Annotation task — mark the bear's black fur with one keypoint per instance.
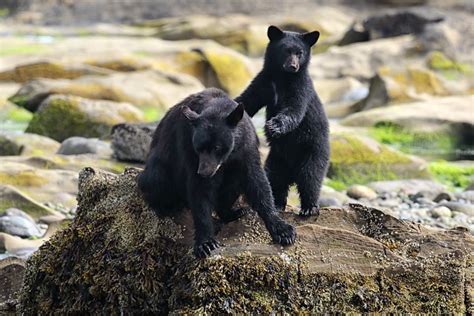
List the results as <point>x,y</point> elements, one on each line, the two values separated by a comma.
<point>297,127</point>
<point>203,156</point>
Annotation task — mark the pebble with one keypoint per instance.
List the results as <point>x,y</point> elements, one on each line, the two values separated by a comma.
<point>465,208</point>
<point>361,192</point>
<point>440,211</point>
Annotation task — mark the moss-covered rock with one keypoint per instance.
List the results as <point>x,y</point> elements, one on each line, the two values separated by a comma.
<point>26,144</point>
<point>149,88</point>
<point>51,70</point>
<point>356,160</point>
<point>61,117</point>
<point>12,197</point>
<point>117,256</point>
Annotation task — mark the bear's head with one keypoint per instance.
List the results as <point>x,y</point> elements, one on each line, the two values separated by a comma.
<point>214,132</point>
<point>289,51</point>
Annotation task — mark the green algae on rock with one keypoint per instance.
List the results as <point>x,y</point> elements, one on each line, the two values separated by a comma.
<point>12,197</point>
<point>358,160</point>
<point>61,117</point>
<point>118,257</point>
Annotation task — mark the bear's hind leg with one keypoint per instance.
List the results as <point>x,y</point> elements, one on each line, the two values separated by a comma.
<point>279,178</point>
<point>228,195</point>
<point>309,181</point>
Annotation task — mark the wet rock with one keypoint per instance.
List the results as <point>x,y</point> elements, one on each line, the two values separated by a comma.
<point>12,143</point>
<point>81,145</point>
<point>443,196</point>
<point>150,88</point>
<point>441,211</point>
<point>163,276</point>
<point>465,208</point>
<point>51,70</point>
<point>361,192</point>
<point>17,223</point>
<point>467,195</point>
<point>11,277</point>
<point>131,142</point>
<point>61,117</point>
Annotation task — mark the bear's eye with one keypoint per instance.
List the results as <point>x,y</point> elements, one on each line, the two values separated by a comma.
<point>299,53</point>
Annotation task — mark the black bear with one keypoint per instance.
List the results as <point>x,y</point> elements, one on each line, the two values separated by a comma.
<point>203,156</point>
<point>296,128</point>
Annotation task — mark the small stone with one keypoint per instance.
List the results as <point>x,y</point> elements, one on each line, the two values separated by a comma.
<point>465,208</point>
<point>361,191</point>
<point>467,195</point>
<point>441,211</point>
<point>443,196</point>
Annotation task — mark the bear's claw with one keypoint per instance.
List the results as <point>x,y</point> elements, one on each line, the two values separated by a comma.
<point>204,248</point>
<point>310,211</point>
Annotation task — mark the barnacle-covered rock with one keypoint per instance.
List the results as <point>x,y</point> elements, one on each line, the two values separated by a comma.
<point>119,257</point>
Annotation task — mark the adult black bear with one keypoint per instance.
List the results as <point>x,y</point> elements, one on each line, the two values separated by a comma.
<point>203,156</point>
<point>297,127</point>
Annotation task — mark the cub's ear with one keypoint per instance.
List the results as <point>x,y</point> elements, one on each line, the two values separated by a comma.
<point>311,38</point>
<point>189,114</point>
<point>274,33</point>
<point>236,115</point>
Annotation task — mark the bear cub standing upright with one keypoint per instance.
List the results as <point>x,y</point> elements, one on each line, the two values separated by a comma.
<point>296,124</point>
<point>203,156</point>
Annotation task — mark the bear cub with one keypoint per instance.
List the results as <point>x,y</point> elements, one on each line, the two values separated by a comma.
<point>296,128</point>
<point>203,156</point>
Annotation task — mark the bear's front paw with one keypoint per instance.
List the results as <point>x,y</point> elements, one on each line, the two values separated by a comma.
<point>274,127</point>
<point>203,248</point>
<point>283,233</point>
<point>310,211</point>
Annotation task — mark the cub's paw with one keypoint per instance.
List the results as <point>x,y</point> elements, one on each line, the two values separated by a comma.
<point>203,248</point>
<point>275,127</point>
<point>283,233</point>
<point>311,211</point>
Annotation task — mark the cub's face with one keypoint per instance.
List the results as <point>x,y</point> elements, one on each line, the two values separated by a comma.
<point>290,51</point>
<point>213,137</point>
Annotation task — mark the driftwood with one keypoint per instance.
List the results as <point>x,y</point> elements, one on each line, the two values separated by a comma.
<point>118,257</point>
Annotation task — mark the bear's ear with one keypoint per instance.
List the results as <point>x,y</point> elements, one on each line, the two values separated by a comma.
<point>236,115</point>
<point>189,114</point>
<point>311,38</point>
<point>274,33</point>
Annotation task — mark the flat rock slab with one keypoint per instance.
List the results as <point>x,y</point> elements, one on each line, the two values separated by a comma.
<point>117,256</point>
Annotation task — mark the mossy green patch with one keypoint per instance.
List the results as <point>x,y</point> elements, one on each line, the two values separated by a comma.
<point>453,175</point>
<point>358,161</point>
<point>23,178</point>
<point>61,119</point>
<point>152,114</point>
<point>19,115</point>
<point>421,143</point>
<point>23,49</point>
<point>449,68</point>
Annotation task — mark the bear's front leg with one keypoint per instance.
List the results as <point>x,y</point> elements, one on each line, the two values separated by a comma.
<point>260,198</point>
<point>201,208</point>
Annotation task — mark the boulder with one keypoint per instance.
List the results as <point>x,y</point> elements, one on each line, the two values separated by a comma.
<point>17,223</point>
<point>61,116</point>
<point>53,70</point>
<point>451,115</point>
<point>358,160</point>
<point>81,145</point>
<point>12,143</point>
<point>117,256</point>
<point>131,142</point>
<point>11,278</point>
<point>389,86</point>
<point>150,88</point>
<point>10,197</point>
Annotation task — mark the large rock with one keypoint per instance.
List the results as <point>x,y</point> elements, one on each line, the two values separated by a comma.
<point>117,256</point>
<point>81,145</point>
<point>11,197</point>
<point>131,142</point>
<point>450,114</point>
<point>18,223</point>
<point>61,117</point>
<point>389,86</point>
<point>357,159</point>
<point>24,73</point>
<point>11,278</point>
<point>26,144</point>
<point>151,88</point>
